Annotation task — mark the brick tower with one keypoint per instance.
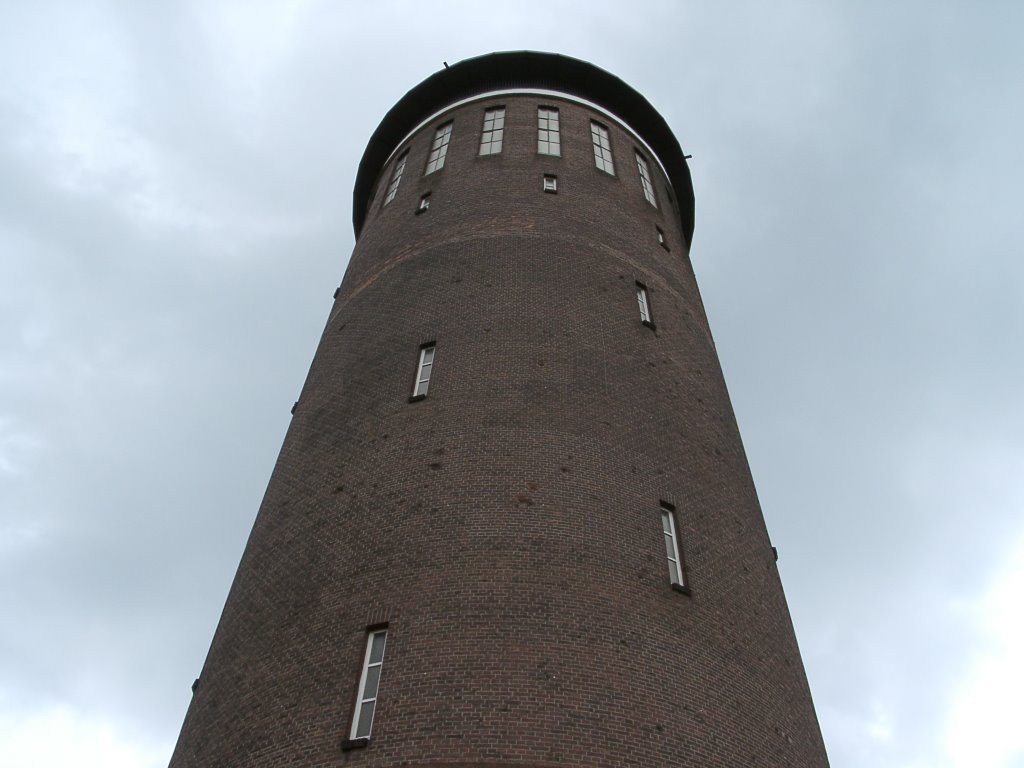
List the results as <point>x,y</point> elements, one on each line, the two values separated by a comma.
<point>512,523</point>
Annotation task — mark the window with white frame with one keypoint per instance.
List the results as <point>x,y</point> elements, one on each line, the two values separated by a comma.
<point>550,183</point>
<point>439,149</point>
<point>369,682</point>
<point>602,148</point>
<point>642,301</point>
<point>661,238</point>
<point>423,370</point>
<point>676,571</point>
<point>424,203</point>
<point>493,131</point>
<point>549,140</point>
<point>645,179</point>
<point>396,178</point>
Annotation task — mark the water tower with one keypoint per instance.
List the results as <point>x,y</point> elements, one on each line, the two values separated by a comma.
<point>512,522</point>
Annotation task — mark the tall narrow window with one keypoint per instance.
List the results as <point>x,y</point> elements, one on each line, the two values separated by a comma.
<point>366,702</point>
<point>423,371</point>
<point>549,140</point>
<point>676,571</point>
<point>396,178</point>
<point>439,148</point>
<point>602,148</point>
<point>645,179</point>
<point>645,307</point>
<point>493,132</point>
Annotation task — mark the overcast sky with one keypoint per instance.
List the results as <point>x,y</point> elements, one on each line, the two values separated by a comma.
<point>175,213</point>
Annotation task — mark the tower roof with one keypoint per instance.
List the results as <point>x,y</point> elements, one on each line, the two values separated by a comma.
<point>523,70</point>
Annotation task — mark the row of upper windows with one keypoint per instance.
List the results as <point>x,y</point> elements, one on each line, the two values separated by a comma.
<point>376,636</point>
<point>549,142</point>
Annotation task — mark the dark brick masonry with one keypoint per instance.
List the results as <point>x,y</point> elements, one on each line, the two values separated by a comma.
<point>507,527</point>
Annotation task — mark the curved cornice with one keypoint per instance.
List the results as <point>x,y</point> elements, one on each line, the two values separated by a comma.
<point>523,69</point>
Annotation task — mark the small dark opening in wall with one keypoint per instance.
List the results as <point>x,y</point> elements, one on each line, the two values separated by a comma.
<point>661,238</point>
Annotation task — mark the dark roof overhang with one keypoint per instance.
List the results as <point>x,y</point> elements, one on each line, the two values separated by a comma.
<point>523,69</point>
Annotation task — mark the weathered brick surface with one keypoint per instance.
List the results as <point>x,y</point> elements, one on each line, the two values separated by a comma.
<point>507,527</point>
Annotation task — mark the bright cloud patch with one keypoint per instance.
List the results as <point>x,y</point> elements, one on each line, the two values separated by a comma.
<point>60,737</point>
<point>985,726</point>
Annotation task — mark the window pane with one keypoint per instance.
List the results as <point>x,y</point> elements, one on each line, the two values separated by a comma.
<point>492,132</point>
<point>423,374</point>
<point>439,148</point>
<point>365,719</point>
<point>547,131</point>
<point>396,178</point>
<point>666,523</point>
<point>377,648</point>
<point>645,180</point>
<point>372,679</point>
<point>602,148</point>
<point>673,572</point>
<point>670,548</point>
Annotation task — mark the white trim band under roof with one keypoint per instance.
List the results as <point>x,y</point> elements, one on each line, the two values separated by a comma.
<point>532,92</point>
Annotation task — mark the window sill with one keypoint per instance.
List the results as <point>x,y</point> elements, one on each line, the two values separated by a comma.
<point>682,588</point>
<point>349,744</point>
<point>649,324</point>
<point>417,398</point>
